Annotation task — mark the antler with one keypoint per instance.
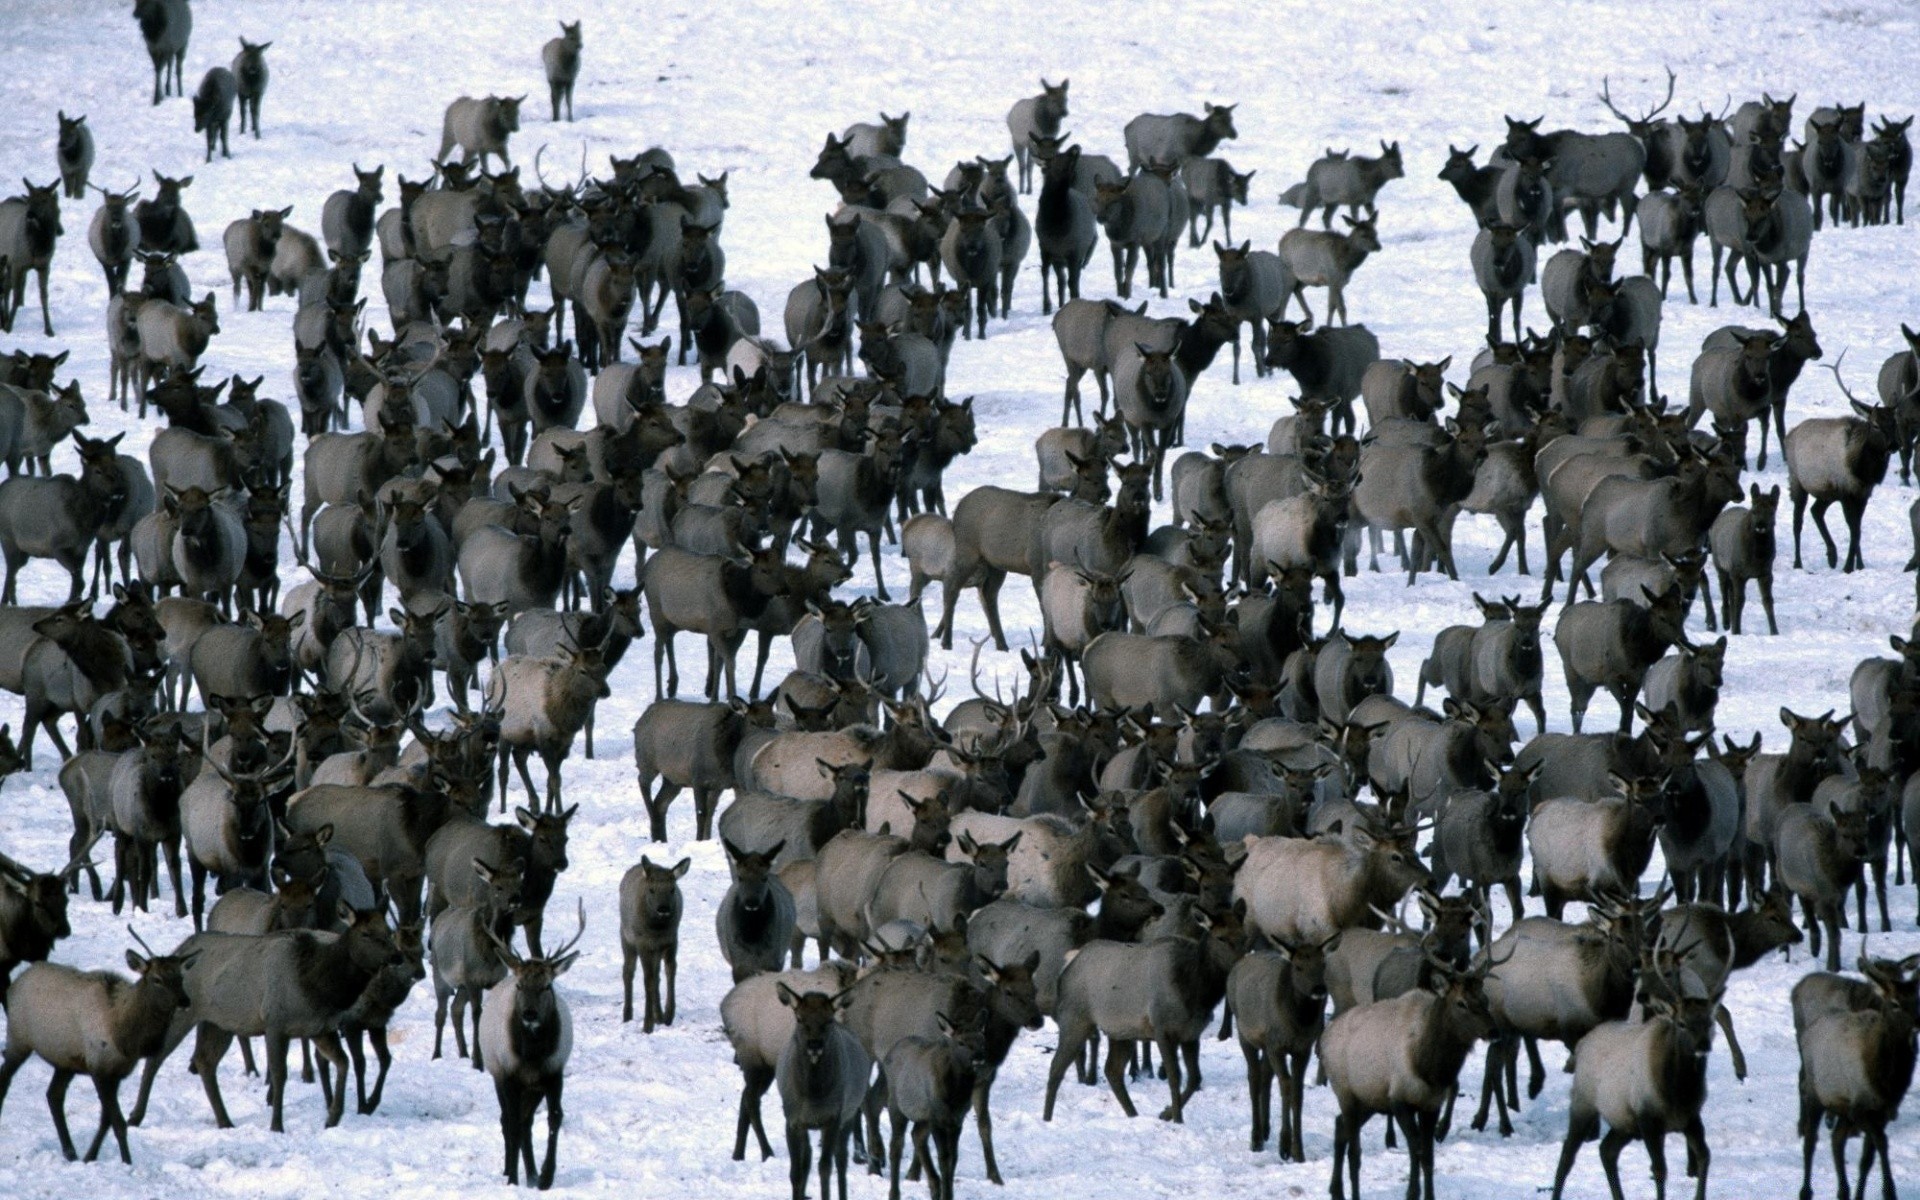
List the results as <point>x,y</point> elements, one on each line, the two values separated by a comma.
<point>579,933</point>
<point>973,671</point>
<point>1606,98</point>
<point>135,935</point>
<point>1834,366</point>
<point>80,860</point>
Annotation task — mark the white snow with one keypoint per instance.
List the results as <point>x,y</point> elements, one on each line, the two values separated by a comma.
<point>751,88</point>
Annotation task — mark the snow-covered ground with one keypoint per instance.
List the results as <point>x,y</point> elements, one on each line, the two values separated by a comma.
<point>751,88</point>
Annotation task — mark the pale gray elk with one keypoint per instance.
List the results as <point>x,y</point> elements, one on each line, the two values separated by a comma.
<point>1856,1066</point>
<point>466,960</point>
<point>543,704</point>
<point>1402,1057</point>
<point>1340,177</point>
<point>1838,460</point>
<point>1032,115</point>
<point>480,128</point>
<point>1596,847</point>
<point>686,745</point>
<point>709,594</point>
<point>250,243</point>
<point>1645,1079</point>
<point>29,229</point>
<point>1176,137</point>
<point>1321,259</point>
<point>113,237</point>
<point>1301,891</point>
<point>1162,992</point>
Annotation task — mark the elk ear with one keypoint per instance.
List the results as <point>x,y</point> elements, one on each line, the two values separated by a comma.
<point>526,817</point>
<point>136,964</point>
<point>680,868</point>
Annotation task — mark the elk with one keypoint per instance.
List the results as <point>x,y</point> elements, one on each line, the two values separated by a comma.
<point>33,909</point>
<point>1644,1079</point>
<point>1319,259</point>
<point>250,74</point>
<point>1838,459</point>
<point>561,58</point>
<point>542,704</point>
<point>93,1023</point>
<point>1279,1000</point>
<point>165,25</point>
<point>29,230</point>
<point>465,959</point>
<point>650,908</point>
<point>291,985</point>
<point>1035,115</point>
<point>113,236</point>
<point>1402,1057</point>
<point>1856,1066</point>
<point>526,1039</point>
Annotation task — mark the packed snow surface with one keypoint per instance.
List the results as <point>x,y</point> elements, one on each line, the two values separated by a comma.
<point>751,89</point>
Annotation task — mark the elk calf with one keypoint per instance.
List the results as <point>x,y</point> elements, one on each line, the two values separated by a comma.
<point>92,1023</point>
<point>561,57</point>
<point>650,907</point>
<point>213,108</point>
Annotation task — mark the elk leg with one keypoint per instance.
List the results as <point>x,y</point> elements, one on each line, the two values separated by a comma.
<point>628,957</point>
<point>57,1103</point>
<point>1258,1093</point>
<point>992,581</point>
<point>210,1045</point>
<point>670,961</point>
<point>520,755</point>
<point>1853,510</point>
<point>983,1118</point>
<point>555,1115</point>
<point>509,1126</point>
<point>478,1064</point>
<point>752,1084</point>
<point>1119,1054</point>
<point>1536,1070</point>
<point>896,1145</point>
<point>277,1045</point>
<point>332,1052</point>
